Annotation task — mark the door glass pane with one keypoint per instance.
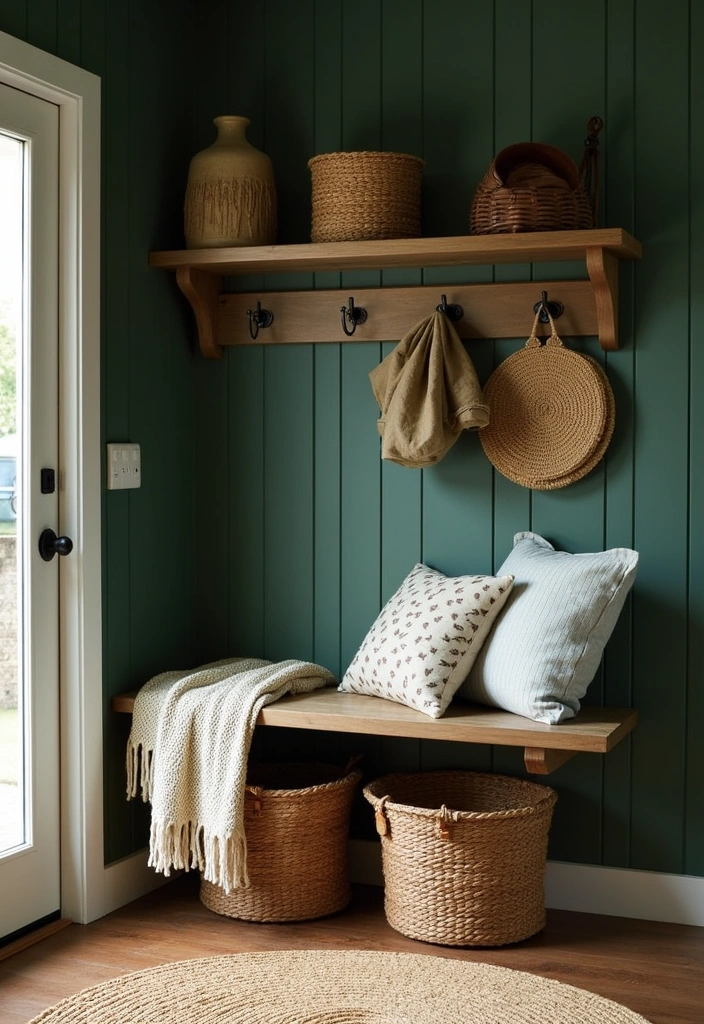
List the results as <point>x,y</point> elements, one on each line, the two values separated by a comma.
<point>13,782</point>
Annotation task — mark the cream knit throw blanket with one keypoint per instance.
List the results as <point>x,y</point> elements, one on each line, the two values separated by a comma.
<point>187,753</point>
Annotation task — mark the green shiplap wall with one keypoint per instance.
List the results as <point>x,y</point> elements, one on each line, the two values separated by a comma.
<point>303,533</point>
<point>267,523</point>
<point>139,51</point>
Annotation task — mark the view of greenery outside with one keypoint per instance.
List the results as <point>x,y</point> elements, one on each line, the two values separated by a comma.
<point>11,212</point>
<point>8,390</point>
<point>8,414</point>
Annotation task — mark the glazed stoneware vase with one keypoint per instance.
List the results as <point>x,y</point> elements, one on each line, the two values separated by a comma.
<point>230,194</point>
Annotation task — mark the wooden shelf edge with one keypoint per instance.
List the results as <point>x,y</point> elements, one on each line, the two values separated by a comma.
<point>199,271</point>
<point>380,254</point>
<point>594,730</point>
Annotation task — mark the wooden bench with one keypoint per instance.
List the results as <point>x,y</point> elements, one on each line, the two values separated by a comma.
<point>546,747</point>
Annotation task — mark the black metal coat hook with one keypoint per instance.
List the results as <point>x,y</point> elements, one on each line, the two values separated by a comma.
<point>354,314</point>
<point>451,311</point>
<point>554,308</point>
<point>259,318</point>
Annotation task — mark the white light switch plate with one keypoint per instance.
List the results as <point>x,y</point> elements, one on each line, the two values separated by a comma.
<point>124,466</point>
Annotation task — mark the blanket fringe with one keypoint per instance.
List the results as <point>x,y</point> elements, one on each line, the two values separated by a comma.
<point>221,860</point>
<point>140,772</point>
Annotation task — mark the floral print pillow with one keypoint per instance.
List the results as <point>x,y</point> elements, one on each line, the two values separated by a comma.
<point>425,639</point>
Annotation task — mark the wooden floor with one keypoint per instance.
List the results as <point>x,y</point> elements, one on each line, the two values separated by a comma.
<point>656,969</point>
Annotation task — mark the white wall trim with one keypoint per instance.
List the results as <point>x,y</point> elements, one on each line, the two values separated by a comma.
<point>588,889</point>
<point>622,892</point>
<point>129,878</point>
<point>77,94</point>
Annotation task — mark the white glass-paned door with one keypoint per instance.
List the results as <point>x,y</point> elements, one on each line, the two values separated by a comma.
<point>29,610</point>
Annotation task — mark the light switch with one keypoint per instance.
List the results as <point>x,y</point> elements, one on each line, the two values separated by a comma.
<point>124,466</point>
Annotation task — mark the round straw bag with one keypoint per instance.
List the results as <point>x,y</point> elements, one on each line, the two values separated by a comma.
<point>552,414</point>
<point>296,825</point>
<point>463,855</point>
<point>365,195</point>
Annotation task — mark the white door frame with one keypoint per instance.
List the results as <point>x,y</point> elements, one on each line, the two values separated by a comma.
<point>77,94</point>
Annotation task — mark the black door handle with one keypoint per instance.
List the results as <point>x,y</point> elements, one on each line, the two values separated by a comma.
<point>50,545</point>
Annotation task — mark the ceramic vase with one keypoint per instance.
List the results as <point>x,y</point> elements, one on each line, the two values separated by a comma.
<point>230,195</point>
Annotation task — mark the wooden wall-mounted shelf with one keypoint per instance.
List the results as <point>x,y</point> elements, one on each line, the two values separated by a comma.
<point>546,747</point>
<point>492,310</point>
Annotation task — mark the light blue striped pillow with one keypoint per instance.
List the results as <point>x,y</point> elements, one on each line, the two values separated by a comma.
<point>547,641</point>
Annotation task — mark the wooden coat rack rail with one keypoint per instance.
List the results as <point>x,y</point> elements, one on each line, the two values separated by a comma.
<point>545,747</point>
<point>499,310</point>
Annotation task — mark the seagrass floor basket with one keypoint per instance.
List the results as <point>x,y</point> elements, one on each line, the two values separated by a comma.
<point>463,855</point>
<point>296,824</point>
<point>365,195</point>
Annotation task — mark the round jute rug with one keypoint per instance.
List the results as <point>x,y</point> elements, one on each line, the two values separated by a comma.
<point>334,987</point>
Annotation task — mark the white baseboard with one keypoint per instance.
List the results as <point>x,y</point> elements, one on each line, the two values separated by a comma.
<point>130,878</point>
<point>588,889</point>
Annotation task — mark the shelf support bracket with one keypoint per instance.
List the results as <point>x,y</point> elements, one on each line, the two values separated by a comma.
<point>539,761</point>
<point>202,290</point>
<point>602,267</point>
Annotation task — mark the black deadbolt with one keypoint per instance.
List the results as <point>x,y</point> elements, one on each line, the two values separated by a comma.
<point>50,545</point>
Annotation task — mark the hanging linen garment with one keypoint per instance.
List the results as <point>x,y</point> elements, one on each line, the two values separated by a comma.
<point>428,393</point>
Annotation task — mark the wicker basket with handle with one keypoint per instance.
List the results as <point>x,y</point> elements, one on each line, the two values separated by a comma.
<point>534,187</point>
<point>463,855</point>
<point>296,824</point>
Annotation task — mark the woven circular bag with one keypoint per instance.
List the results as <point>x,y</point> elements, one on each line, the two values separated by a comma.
<point>552,414</point>
<point>365,195</point>
<point>600,450</point>
<point>463,855</point>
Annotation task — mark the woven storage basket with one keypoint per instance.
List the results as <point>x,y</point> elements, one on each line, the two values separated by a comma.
<point>463,855</point>
<point>296,824</point>
<point>365,195</point>
<point>534,187</point>
<point>552,415</point>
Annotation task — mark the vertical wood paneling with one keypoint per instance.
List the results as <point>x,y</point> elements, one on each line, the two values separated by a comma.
<point>68,31</point>
<point>243,93</point>
<point>361,468</point>
<point>326,583</point>
<point>289,92</point>
<point>694,765</point>
<point>215,420</point>
<point>114,36</point>
<point>160,384</point>
<point>513,62</point>
<point>459,139</point>
<point>661,466</point>
<point>300,532</point>
<point>618,207</point>
<point>245,526</point>
<point>42,24</point>
<point>573,517</point>
<point>13,18</point>
<point>327,368</point>
<point>401,131</point>
<point>288,504</point>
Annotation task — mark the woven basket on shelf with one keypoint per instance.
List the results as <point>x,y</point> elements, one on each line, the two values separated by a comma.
<point>365,195</point>
<point>463,855</point>
<point>296,824</point>
<point>534,187</point>
<point>552,414</point>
